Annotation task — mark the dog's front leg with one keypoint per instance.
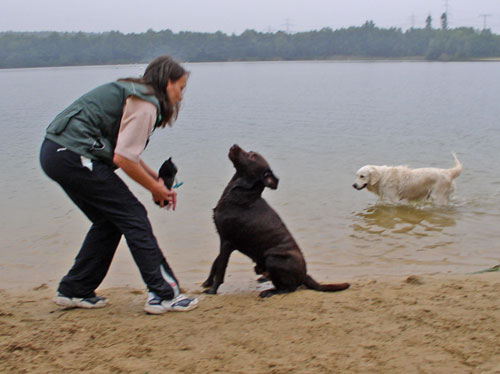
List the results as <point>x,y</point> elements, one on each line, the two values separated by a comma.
<point>218,271</point>
<point>210,280</point>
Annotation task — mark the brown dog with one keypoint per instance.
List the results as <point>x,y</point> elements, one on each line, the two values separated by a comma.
<point>245,222</point>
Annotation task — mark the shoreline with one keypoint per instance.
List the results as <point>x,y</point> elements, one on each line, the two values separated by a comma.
<point>411,324</point>
<point>333,59</point>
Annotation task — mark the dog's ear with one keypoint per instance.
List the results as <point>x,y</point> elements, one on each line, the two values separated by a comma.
<point>374,175</point>
<point>270,180</point>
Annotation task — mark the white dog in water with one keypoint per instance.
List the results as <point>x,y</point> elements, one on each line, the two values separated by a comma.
<point>402,184</point>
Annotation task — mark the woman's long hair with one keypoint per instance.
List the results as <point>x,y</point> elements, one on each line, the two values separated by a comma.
<point>156,75</point>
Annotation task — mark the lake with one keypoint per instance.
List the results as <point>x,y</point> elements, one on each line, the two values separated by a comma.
<point>316,123</point>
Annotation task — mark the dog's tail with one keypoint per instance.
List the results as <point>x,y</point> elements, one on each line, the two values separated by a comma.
<point>313,285</point>
<point>457,169</point>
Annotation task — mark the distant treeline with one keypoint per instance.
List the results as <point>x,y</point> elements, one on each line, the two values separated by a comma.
<point>30,49</point>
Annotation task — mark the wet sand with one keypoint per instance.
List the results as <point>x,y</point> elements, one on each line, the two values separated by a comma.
<point>415,324</point>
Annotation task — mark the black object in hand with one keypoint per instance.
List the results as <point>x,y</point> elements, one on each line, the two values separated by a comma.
<point>167,172</point>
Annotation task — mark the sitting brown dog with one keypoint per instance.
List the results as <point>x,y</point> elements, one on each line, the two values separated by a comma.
<point>247,223</point>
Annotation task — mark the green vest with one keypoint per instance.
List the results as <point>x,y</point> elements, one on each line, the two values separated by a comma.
<point>89,126</point>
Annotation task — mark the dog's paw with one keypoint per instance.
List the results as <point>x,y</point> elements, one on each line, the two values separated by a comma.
<point>268,293</point>
<point>273,291</point>
<point>208,283</point>
<point>210,291</point>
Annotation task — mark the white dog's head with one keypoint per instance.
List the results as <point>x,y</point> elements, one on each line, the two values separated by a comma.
<point>366,176</point>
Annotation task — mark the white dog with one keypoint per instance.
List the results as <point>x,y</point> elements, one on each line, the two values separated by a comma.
<point>402,184</point>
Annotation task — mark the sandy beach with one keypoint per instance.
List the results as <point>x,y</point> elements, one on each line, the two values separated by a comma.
<point>415,324</point>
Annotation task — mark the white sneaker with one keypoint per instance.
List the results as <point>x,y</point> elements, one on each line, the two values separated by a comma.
<point>80,302</point>
<point>181,303</point>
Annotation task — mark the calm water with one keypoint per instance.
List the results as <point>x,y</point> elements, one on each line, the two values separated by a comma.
<point>316,123</point>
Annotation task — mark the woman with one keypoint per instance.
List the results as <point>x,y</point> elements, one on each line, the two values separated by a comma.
<point>105,129</point>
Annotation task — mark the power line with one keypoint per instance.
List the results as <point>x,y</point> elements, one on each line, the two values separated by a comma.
<point>484,19</point>
<point>288,24</point>
<point>447,12</point>
<point>412,20</point>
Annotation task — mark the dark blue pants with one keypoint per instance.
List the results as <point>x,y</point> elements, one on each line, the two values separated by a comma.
<point>114,211</point>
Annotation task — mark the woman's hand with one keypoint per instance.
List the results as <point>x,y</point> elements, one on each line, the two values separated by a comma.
<point>147,178</point>
<point>161,195</point>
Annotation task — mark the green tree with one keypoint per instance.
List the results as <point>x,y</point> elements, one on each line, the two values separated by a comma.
<point>428,22</point>
<point>444,21</point>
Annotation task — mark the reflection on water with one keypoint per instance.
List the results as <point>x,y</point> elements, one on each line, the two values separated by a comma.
<point>413,219</point>
<point>405,238</point>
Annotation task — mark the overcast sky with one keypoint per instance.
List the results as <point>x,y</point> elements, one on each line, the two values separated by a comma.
<point>235,16</point>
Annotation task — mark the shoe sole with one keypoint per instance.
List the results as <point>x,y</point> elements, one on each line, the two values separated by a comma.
<point>66,302</point>
<point>161,310</point>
